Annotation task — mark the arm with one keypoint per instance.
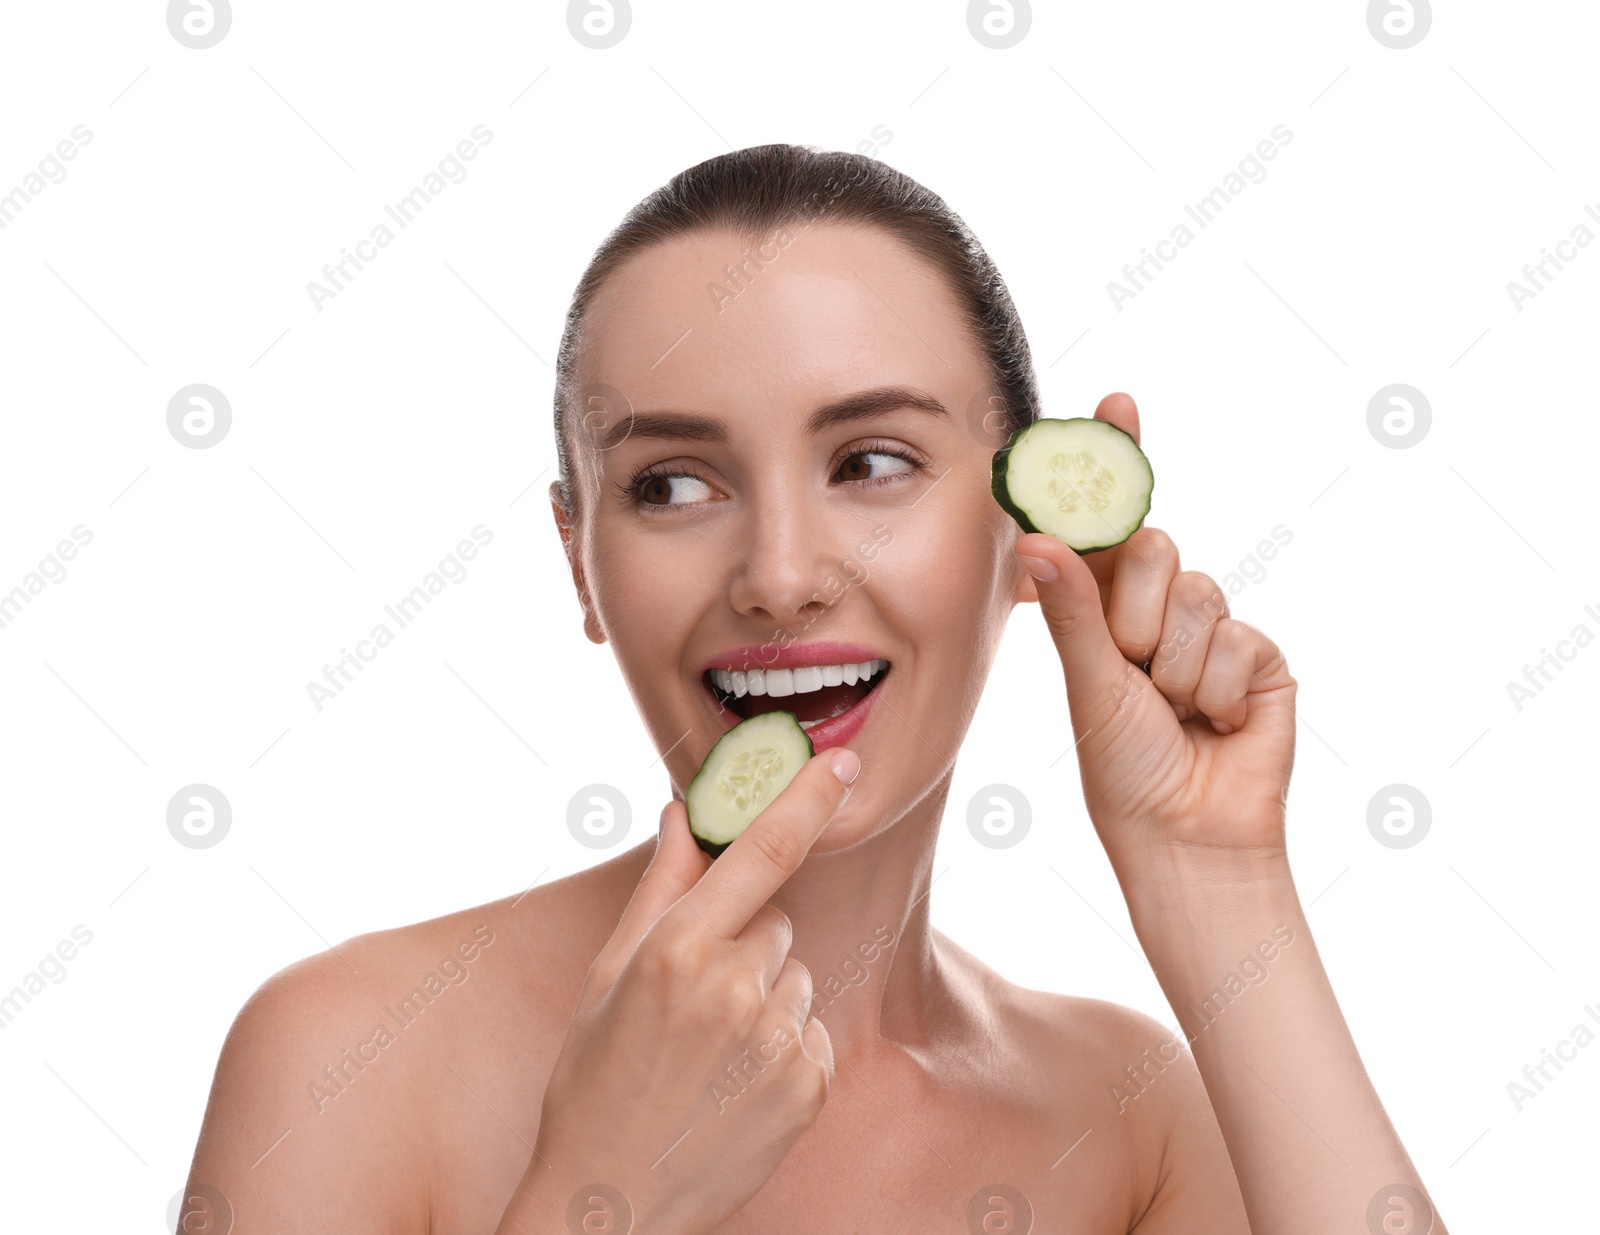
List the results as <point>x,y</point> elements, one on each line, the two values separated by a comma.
<point>1306,1133</point>
<point>1185,771</point>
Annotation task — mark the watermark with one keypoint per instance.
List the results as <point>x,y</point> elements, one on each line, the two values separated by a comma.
<point>599,1209</point>
<point>851,971</point>
<point>599,24</point>
<point>850,572</point>
<point>1252,567</point>
<point>451,570</point>
<point>337,277</point>
<point>737,281</point>
<point>1399,816</point>
<point>1252,169</point>
<point>1537,276</point>
<point>1399,1209</point>
<point>999,1209</point>
<point>880,136</point>
<point>752,263</point>
<point>1399,24</point>
<point>52,969</point>
<point>50,570</point>
<point>199,416</point>
<point>1542,672</point>
<point>598,816</point>
<point>989,421</point>
<point>52,171</point>
<point>199,24</point>
<point>999,24</point>
<point>605,416</point>
<point>998,816</point>
<point>739,1076</point>
<point>1535,1076</point>
<point>1139,1076</point>
<point>200,1209</point>
<point>338,1076</point>
<point>1399,416</point>
<point>199,816</point>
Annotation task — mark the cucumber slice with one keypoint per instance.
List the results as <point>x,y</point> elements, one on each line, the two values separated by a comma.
<point>747,767</point>
<point>1083,481</point>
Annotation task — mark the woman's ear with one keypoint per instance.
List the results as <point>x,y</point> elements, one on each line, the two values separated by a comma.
<point>591,621</point>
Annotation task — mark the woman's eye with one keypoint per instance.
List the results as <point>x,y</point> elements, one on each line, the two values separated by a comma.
<point>884,464</point>
<point>658,490</point>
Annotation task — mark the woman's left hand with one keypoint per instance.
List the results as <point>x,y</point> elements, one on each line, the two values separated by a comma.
<point>1195,757</point>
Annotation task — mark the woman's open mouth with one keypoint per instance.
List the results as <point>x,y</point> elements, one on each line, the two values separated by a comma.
<point>825,699</point>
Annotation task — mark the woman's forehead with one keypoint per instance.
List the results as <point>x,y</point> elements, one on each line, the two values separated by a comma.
<point>824,304</point>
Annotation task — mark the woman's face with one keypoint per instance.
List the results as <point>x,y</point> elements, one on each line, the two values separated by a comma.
<point>766,483</point>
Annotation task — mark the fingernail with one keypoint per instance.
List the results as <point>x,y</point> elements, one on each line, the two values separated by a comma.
<point>1222,726</point>
<point>1041,569</point>
<point>846,765</point>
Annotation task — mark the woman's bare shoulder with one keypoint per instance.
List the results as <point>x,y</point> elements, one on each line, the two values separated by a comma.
<point>337,1067</point>
<point>529,946</point>
<point>529,940</point>
<point>1079,1067</point>
<point>1126,1083</point>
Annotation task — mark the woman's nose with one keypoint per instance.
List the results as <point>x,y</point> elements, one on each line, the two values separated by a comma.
<point>784,570</point>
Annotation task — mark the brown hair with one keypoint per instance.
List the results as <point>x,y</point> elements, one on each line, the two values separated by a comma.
<point>754,192</point>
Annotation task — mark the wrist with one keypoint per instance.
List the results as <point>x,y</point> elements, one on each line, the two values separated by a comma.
<point>1213,925</point>
<point>1185,887</point>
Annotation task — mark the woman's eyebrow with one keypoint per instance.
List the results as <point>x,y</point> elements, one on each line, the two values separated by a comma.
<point>862,405</point>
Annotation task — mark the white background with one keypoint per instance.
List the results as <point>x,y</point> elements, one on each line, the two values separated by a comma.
<point>368,438</point>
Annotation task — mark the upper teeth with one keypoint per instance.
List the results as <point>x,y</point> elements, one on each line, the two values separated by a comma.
<point>802,681</point>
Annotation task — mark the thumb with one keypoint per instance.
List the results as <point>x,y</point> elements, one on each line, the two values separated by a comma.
<point>676,867</point>
<point>1069,597</point>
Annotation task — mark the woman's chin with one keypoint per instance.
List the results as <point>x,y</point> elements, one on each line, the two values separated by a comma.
<point>854,823</point>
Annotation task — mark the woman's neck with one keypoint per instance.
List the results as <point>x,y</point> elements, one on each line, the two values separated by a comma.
<point>861,927</point>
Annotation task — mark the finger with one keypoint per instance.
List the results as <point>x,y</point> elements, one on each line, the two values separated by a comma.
<point>818,1044</point>
<point>764,942</point>
<point>771,849</point>
<point>792,992</point>
<point>1237,654</point>
<point>676,867</point>
<point>1096,671</point>
<point>1118,409</point>
<point>1139,593</point>
<point>1195,604</point>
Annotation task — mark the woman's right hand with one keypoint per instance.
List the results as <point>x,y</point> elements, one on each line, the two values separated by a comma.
<point>692,1063</point>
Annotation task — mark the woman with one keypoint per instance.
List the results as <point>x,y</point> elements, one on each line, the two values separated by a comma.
<point>780,388</point>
